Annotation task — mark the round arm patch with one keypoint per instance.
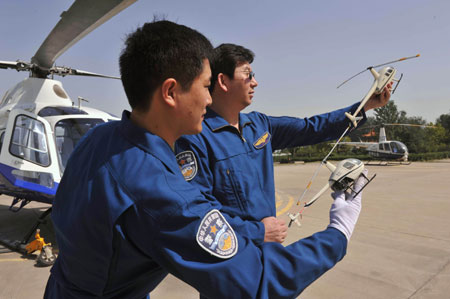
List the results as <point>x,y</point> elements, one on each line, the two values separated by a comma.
<point>216,236</point>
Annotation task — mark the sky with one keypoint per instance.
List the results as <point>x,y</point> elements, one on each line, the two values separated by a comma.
<point>304,49</point>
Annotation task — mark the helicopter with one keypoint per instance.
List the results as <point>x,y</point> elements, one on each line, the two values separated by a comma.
<point>39,123</point>
<point>386,150</point>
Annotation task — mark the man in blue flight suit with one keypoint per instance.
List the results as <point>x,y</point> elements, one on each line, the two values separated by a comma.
<point>124,216</point>
<point>232,157</point>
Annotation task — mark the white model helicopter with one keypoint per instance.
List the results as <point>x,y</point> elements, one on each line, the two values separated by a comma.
<point>39,123</point>
<point>342,178</point>
<point>344,174</point>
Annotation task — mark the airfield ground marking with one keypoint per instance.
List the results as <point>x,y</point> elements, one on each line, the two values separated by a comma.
<point>287,207</point>
<point>278,200</point>
<point>13,260</point>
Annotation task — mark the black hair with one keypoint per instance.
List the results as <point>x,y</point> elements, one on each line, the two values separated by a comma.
<point>157,51</point>
<point>226,58</point>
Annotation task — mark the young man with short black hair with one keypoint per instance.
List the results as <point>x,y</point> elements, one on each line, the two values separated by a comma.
<point>125,217</point>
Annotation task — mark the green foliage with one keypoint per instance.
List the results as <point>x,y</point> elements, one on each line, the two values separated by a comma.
<point>429,156</point>
<point>388,114</point>
<point>444,122</point>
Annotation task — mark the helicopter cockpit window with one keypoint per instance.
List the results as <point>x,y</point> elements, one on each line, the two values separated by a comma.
<point>29,141</point>
<point>60,110</point>
<point>348,165</point>
<point>67,134</point>
<point>397,147</point>
<point>380,147</point>
<point>387,147</point>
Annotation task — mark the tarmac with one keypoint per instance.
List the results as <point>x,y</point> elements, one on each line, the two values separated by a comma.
<point>399,249</point>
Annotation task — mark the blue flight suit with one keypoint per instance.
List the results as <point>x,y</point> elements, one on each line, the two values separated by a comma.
<point>236,167</point>
<point>124,217</point>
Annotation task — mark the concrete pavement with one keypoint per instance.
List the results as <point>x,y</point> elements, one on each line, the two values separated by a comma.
<point>400,247</point>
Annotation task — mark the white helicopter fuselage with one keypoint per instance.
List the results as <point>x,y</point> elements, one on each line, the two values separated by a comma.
<point>39,128</point>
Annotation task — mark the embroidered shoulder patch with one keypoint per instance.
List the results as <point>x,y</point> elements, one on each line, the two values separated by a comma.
<point>188,164</point>
<point>262,141</point>
<point>216,236</point>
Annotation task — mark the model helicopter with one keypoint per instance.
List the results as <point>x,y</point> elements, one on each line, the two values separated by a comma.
<point>344,175</point>
<point>39,124</point>
<point>342,178</point>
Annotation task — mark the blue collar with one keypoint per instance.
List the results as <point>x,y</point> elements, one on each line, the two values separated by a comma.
<point>216,122</point>
<point>148,142</point>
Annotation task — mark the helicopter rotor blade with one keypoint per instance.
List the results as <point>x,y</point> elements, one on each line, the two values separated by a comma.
<point>375,66</point>
<point>64,71</point>
<point>353,77</point>
<point>410,125</point>
<point>319,194</point>
<point>80,19</point>
<point>8,64</point>
<point>397,60</point>
<point>17,65</point>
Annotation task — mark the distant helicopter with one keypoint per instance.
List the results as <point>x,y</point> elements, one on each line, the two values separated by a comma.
<point>39,123</point>
<point>386,150</point>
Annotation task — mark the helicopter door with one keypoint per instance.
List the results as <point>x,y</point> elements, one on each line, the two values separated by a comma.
<point>28,153</point>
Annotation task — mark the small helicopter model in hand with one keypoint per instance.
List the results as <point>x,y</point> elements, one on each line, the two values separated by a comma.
<point>342,178</point>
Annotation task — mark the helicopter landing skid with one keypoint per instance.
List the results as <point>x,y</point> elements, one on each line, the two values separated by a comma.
<point>46,256</point>
<point>387,163</point>
<point>23,202</point>
<point>355,193</point>
<point>39,221</point>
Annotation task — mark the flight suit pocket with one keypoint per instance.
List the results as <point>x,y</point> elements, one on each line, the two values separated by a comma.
<point>233,191</point>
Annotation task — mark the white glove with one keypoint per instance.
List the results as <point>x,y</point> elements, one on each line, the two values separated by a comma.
<point>345,209</point>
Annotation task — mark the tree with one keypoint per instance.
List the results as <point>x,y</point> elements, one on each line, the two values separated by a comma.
<point>444,122</point>
<point>388,114</point>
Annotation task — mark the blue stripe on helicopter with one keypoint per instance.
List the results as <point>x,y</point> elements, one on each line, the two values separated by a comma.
<point>6,172</point>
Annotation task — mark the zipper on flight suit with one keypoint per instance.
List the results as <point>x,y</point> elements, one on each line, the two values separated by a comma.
<point>236,194</point>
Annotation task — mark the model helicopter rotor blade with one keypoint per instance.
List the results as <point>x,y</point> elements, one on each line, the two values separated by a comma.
<point>79,20</point>
<point>352,77</point>
<point>397,60</point>
<point>375,66</point>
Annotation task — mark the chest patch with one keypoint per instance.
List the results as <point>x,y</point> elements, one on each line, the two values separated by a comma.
<point>262,141</point>
<point>216,236</point>
<point>188,164</point>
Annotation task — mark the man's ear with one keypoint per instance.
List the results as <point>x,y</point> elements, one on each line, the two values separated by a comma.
<point>169,90</point>
<point>222,81</point>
